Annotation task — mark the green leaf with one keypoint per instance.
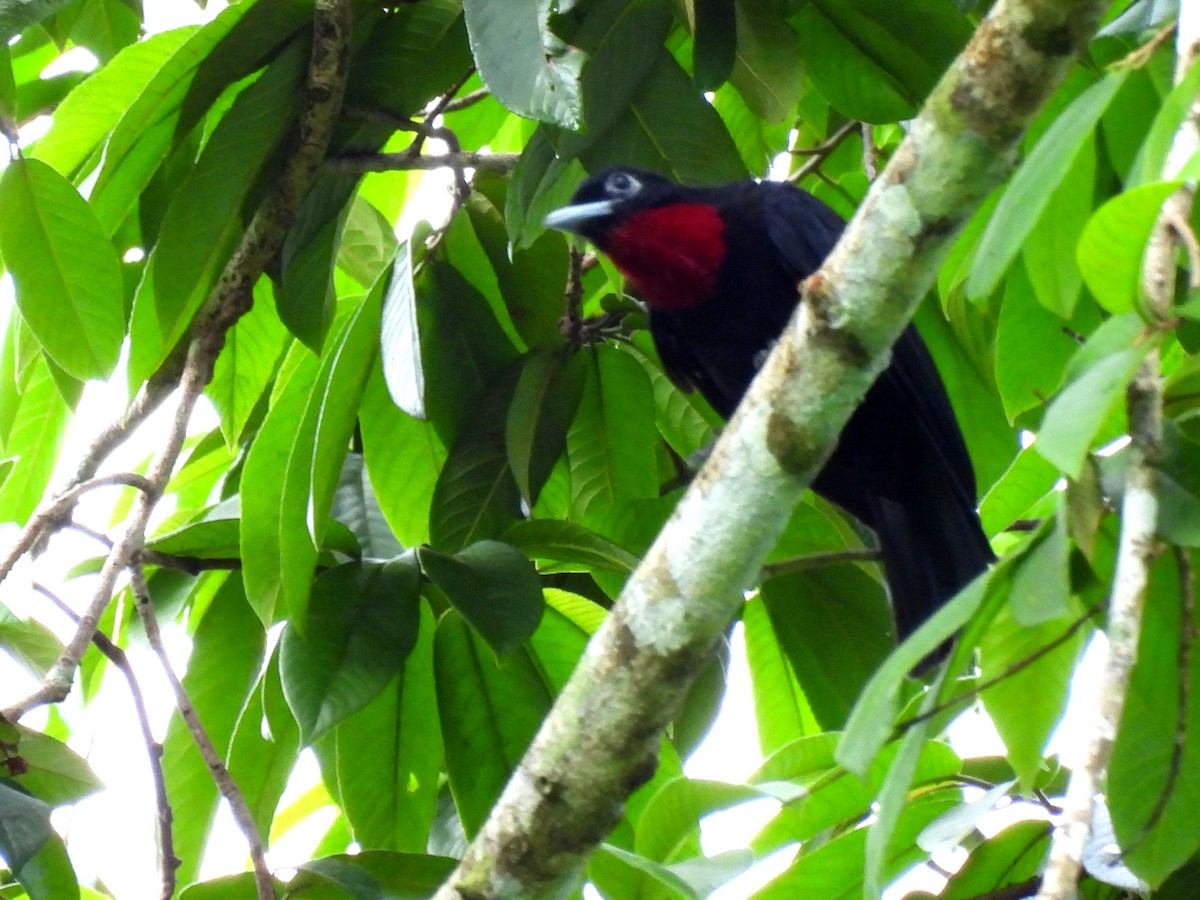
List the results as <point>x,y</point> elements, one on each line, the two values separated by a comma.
<point>1049,251</point>
<point>1114,241</point>
<point>237,42</point>
<point>1041,587</point>
<point>767,68</point>
<point>30,643</point>
<point>494,587</point>
<point>243,371</point>
<point>16,17</point>
<point>531,295</point>
<point>1027,705</point>
<point>870,724</point>
<point>1152,156</point>
<point>49,875</point>
<point>368,244</point>
<point>835,869</point>
<point>566,546</point>
<point>403,457</point>
<point>715,38</point>
<point>1007,858</point>
<point>1082,409</point>
<point>413,54</point>
<point>489,714</point>
<point>464,351</point>
<point>66,273</point>
<point>296,460</point>
<point>991,440</point>
<point>371,875</point>
<point>541,181</point>
<point>475,497</point>
<point>874,60</point>
<point>8,95</point>
<point>204,220</point>
<point>363,620</point>
<point>24,826</point>
<point>667,127</point>
<point>1032,348</point>
<point>399,341</point>
<point>38,427</point>
<point>1179,488</point>
<point>1032,187</point>
<point>223,667</point>
<point>545,401</point>
<point>781,710</point>
<point>389,756</point>
<point>527,67</point>
<point>611,442</point>
<point>53,772</point>
<point>1146,779</point>
<point>305,299</point>
<point>833,625</point>
<point>623,42</point>
<point>261,764</point>
<point>356,507</point>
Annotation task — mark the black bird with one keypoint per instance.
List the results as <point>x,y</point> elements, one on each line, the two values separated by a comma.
<point>718,268</point>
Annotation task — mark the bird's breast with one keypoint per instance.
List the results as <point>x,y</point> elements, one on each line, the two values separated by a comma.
<point>672,254</point>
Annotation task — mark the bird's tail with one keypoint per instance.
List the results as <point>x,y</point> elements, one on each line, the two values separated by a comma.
<point>931,549</point>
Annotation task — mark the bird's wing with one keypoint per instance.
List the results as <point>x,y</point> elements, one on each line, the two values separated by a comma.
<point>804,231</point>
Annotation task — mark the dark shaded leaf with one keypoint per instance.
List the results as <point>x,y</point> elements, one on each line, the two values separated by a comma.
<point>363,620</point>
<point>494,587</point>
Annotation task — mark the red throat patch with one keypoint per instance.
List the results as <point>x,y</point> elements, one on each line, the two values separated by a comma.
<point>671,253</point>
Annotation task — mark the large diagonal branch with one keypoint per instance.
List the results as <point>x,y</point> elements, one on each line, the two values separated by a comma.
<point>600,740</point>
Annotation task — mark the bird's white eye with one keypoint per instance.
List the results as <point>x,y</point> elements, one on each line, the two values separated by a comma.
<point>621,184</point>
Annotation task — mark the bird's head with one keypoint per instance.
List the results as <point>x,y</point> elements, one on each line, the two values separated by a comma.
<point>667,239</point>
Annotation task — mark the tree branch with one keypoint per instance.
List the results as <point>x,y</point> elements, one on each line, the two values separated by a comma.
<point>229,299</point>
<point>501,163</point>
<point>601,738</point>
<point>168,862</point>
<point>208,751</point>
<point>1137,544</point>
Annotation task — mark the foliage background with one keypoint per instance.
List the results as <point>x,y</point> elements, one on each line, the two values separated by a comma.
<point>436,458</point>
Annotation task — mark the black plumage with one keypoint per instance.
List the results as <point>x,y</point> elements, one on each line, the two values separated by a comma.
<point>719,269</point>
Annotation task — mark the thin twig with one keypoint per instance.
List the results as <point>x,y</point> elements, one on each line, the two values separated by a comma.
<point>821,152</point>
<point>229,299</point>
<point>168,862</point>
<point>208,751</point>
<point>149,397</point>
<point>820,560</point>
<point>1139,57</point>
<point>192,565</point>
<point>52,516</point>
<point>501,163</point>
<point>870,151</point>
<point>466,100</point>
<point>571,324</point>
<point>1003,676</point>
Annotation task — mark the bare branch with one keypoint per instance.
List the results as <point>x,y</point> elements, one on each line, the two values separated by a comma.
<point>820,560</point>
<point>208,751</point>
<point>501,163</point>
<point>55,515</point>
<point>818,154</point>
<point>229,299</point>
<point>168,862</point>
